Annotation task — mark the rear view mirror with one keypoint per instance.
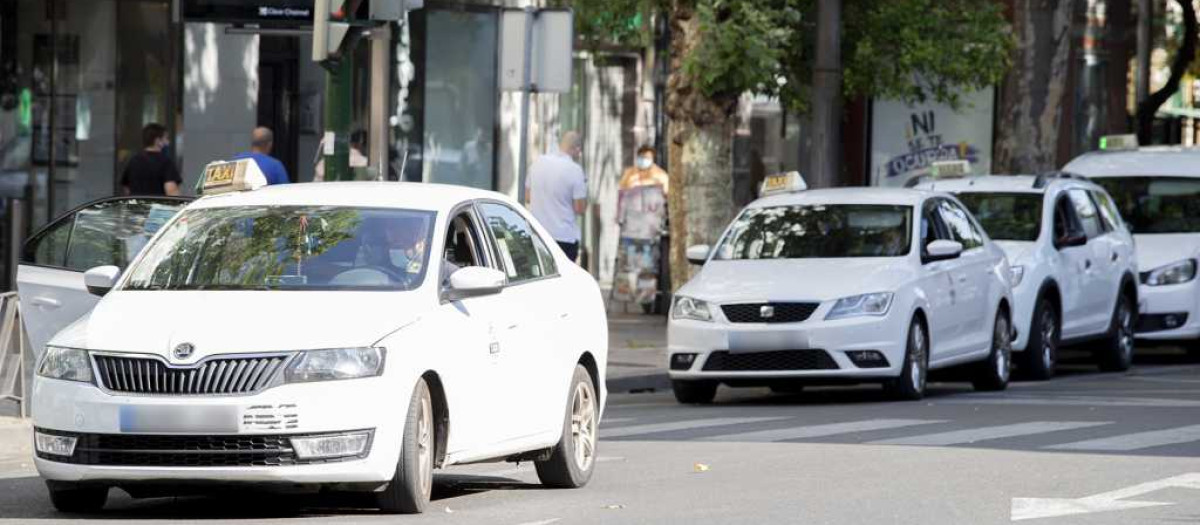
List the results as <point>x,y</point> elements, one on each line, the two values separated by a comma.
<point>941,250</point>
<point>474,281</point>
<point>697,254</point>
<point>101,279</point>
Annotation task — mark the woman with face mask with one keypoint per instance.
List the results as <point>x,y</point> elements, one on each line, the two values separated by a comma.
<point>642,214</point>
<point>644,172</point>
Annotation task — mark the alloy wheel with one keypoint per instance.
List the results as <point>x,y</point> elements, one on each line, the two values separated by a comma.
<point>583,426</point>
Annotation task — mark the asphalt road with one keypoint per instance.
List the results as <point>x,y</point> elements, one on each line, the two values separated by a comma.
<point>1111,448</point>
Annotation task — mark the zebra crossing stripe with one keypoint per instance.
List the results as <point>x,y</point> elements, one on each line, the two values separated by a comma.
<point>816,431</point>
<point>972,435</point>
<point>654,428</point>
<point>1136,441</point>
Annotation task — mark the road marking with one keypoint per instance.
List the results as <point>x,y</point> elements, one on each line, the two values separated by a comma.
<point>972,435</point>
<point>1074,401</point>
<point>815,431</point>
<point>611,420</point>
<point>1136,441</point>
<point>543,522</point>
<point>1033,508</point>
<point>692,424</point>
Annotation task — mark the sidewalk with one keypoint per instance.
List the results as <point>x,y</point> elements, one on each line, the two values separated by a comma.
<point>637,353</point>
<point>16,448</point>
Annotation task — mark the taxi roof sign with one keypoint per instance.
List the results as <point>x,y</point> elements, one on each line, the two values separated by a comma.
<point>230,176</point>
<point>1118,142</point>
<point>783,183</point>
<point>947,169</point>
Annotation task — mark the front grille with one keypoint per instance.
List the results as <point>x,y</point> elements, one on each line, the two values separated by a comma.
<point>143,450</point>
<point>232,375</point>
<point>723,361</point>
<point>778,312</point>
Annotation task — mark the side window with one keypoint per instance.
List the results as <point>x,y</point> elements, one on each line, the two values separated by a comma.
<point>1108,210</point>
<point>113,232</point>
<point>463,247</point>
<point>1065,222</point>
<point>1086,211</point>
<point>958,221</point>
<point>519,248</point>
<point>932,227</point>
<point>50,248</point>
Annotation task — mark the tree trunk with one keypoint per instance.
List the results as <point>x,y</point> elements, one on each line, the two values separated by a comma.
<point>700,151</point>
<point>1031,98</point>
<point>1118,46</point>
<point>1183,58</point>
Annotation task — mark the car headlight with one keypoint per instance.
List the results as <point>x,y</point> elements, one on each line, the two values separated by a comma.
<point>334,364</point>
<point>1016,274</point>
<point>1175,273</point>
<point>70,364</point>
<point>869,304</point>
<point>689,308</point>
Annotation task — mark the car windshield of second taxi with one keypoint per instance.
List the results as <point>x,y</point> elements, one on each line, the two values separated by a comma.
<point>819,231</point>
<point>1156,204</point>
<point>288,248</point>
<point>1007,216</point>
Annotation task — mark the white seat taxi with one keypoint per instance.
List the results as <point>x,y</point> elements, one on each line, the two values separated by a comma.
<point>844,285</point>
<point>1073,263</point>
<point>1157,190</point>
<point>338,336</point>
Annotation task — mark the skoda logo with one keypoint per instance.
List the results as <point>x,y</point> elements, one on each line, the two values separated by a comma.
<point>767,311</point>
<point>183,351</point>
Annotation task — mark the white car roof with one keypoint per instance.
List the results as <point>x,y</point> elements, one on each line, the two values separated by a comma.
<point>407,195</point>
<point>1000,184</point>
<point>895,196</point>
<point>1171,161</point>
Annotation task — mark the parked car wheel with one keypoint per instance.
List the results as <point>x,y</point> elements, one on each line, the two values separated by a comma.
<point>993,372</point>
<point>574,458</point>
<point>910,384</point>
<point>1040,357</point>
<point>1117,352</point>
<point>409,490</point>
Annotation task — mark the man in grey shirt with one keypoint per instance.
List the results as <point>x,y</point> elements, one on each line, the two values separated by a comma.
<point>557,191</point>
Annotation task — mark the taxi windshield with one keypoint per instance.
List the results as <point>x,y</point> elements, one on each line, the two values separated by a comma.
<point>819,231</point>
<point>1156,204</point>
<point>288,248</point>
<point>1007,216</point>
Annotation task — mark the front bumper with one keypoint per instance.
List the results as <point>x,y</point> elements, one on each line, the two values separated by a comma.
<point>297,409</point>
<point>1156,303</point>
<point>715,342</point>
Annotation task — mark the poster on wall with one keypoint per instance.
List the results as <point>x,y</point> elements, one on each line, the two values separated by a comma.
<point>906,139</point>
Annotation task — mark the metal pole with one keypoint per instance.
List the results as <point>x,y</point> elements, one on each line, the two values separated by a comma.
<point>14,217</point>
<point>526,88</point>
<point>381,40</point>
<point>827,87</point>
<point>1145,21</point>
<point>53,113</point>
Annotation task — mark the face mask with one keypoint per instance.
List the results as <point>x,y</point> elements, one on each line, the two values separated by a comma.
<point>398,258</point>
<point>644,163</point>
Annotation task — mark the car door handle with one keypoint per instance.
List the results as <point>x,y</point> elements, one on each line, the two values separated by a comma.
<point>1087,264</point>
<point>49,303</point>
<point>1115,256</point>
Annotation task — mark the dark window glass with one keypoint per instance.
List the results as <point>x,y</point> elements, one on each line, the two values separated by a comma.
<point>113,232</point>
<point>819,231</point>
<point>958,221</point>
<point>1108,210</point>
<point>1086,211</point>
<point>51,248</point>
<point>1157,204</point>
<point>1007,216</point>
<point>516,243</point>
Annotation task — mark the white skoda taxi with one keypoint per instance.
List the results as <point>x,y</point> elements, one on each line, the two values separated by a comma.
<point>845,285</point>
<point>1157,190</point>
<point>336,336</point>
<point>1072,259</point>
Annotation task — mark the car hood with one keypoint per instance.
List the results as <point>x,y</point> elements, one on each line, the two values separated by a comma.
<point>797,279</point>
<point>224,322</point>
<point>1160,249</point>
<point>1017,252</point>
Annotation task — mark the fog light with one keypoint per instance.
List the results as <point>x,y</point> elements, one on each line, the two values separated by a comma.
<point>55,445</point>
<point>682,361</point>
<point>867,358</point>
<point>1172,321</point>
<point>331,446</point>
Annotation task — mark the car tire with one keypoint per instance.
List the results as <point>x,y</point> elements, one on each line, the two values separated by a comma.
<point>76,499</point>
<point>1040,357</point>
<point>993,373</point>
<point>1116,354</point>
<point>694,392</point>
<point>574,457</point>
<point>910,384</point>
<point>410,488</point>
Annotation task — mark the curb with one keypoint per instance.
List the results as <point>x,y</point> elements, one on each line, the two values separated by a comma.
<point>657,381</point>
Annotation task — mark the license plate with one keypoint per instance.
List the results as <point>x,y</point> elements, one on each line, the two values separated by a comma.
<point>767,341</point>
<point>179,419</point>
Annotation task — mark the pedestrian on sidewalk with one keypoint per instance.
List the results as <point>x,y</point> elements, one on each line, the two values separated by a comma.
<point>557,191</point>
<point>151,172</point>
<point>262,140</point>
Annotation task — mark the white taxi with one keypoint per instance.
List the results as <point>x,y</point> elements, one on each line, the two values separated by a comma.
<point>337,336</point>
<point>1157,190</point>
<point>1073,263</point>
<point>845,285</point>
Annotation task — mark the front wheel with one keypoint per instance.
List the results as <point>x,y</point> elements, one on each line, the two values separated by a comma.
<point>1041,354</point>
<point>993,372</point>
<point>910,384</point>
<point>1117,352</point>
<point>574,458</point>
<point>409,490</point>
<point>74,499</point>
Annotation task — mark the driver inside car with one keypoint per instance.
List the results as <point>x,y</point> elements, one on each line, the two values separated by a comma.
<point>395,245</point>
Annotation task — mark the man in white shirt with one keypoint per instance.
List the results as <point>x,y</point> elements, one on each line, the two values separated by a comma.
<point>557,192</point>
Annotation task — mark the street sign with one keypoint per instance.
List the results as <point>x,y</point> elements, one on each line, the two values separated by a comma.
<point>549,50</point>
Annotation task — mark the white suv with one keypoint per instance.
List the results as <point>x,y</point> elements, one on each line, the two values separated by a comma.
<point>1073,264</point>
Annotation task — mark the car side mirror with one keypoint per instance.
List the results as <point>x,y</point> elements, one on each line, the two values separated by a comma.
<point>474,281</point>
<point>698,254</point>
<point>1070,240</point>
<point>941,250</point>
<point>101,279</point>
